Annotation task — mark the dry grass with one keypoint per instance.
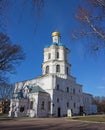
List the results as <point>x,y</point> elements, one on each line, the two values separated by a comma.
<point>95,118</point>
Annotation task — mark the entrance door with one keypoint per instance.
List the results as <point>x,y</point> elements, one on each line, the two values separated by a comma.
<point>59,111</point>
<point>81,110</point>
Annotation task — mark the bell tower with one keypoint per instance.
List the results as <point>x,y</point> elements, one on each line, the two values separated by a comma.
<point>56,58</point>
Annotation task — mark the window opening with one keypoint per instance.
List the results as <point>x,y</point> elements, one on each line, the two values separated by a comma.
<point>47,69</point>
<point>57,55</point>
<point>31,104</point>
<point>67,89</point>
<point>57,68</point>
<point>57,86</point>
<point>42,105</point>
<point>49,55</point>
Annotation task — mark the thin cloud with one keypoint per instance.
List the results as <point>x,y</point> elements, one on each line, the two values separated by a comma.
<point>101,87</point>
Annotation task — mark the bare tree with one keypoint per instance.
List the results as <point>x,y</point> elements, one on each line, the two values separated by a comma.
<point>91,18</point>
<point>10,54</point>
<point>100,102</point>
<point>6,90</point>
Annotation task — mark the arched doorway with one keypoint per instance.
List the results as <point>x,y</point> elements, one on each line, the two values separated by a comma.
<point>59,112</point>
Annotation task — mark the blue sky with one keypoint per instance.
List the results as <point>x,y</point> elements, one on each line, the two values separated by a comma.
<point>34,34</point>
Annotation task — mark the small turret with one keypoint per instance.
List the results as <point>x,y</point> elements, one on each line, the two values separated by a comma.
<point>56,37</point>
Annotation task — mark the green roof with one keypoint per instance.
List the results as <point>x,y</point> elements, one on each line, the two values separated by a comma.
<point>36,89</point>
<point>32,89</point>
<point>18,94</point>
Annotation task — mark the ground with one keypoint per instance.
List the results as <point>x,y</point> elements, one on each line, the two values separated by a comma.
<point>49,124</point>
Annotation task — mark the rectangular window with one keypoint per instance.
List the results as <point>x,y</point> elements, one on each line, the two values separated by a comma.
<point>21,109</point>
<point>74,104</point>
<point>57,55</point>
<point>57,86</point>
<point>67,104</point>
<point>49,55</point>
<point>71,90</point>
<point>67,70</point>
<point>67,89</point>
<point>57,100</point>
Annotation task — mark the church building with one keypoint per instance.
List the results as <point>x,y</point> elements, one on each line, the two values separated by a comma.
<point>55,91</point>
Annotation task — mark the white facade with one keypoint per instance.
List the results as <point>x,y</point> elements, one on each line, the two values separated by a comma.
<point>53,93</point>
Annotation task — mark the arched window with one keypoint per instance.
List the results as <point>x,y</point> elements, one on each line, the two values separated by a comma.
<point>47,69</point>
<point>42,105</point>
<point>57,68</point>
<point>57,55</point>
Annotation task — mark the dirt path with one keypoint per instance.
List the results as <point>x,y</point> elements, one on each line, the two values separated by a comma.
<point>49,124</point>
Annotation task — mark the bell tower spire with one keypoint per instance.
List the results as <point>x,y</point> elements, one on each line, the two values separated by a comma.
<point>56,37</point>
